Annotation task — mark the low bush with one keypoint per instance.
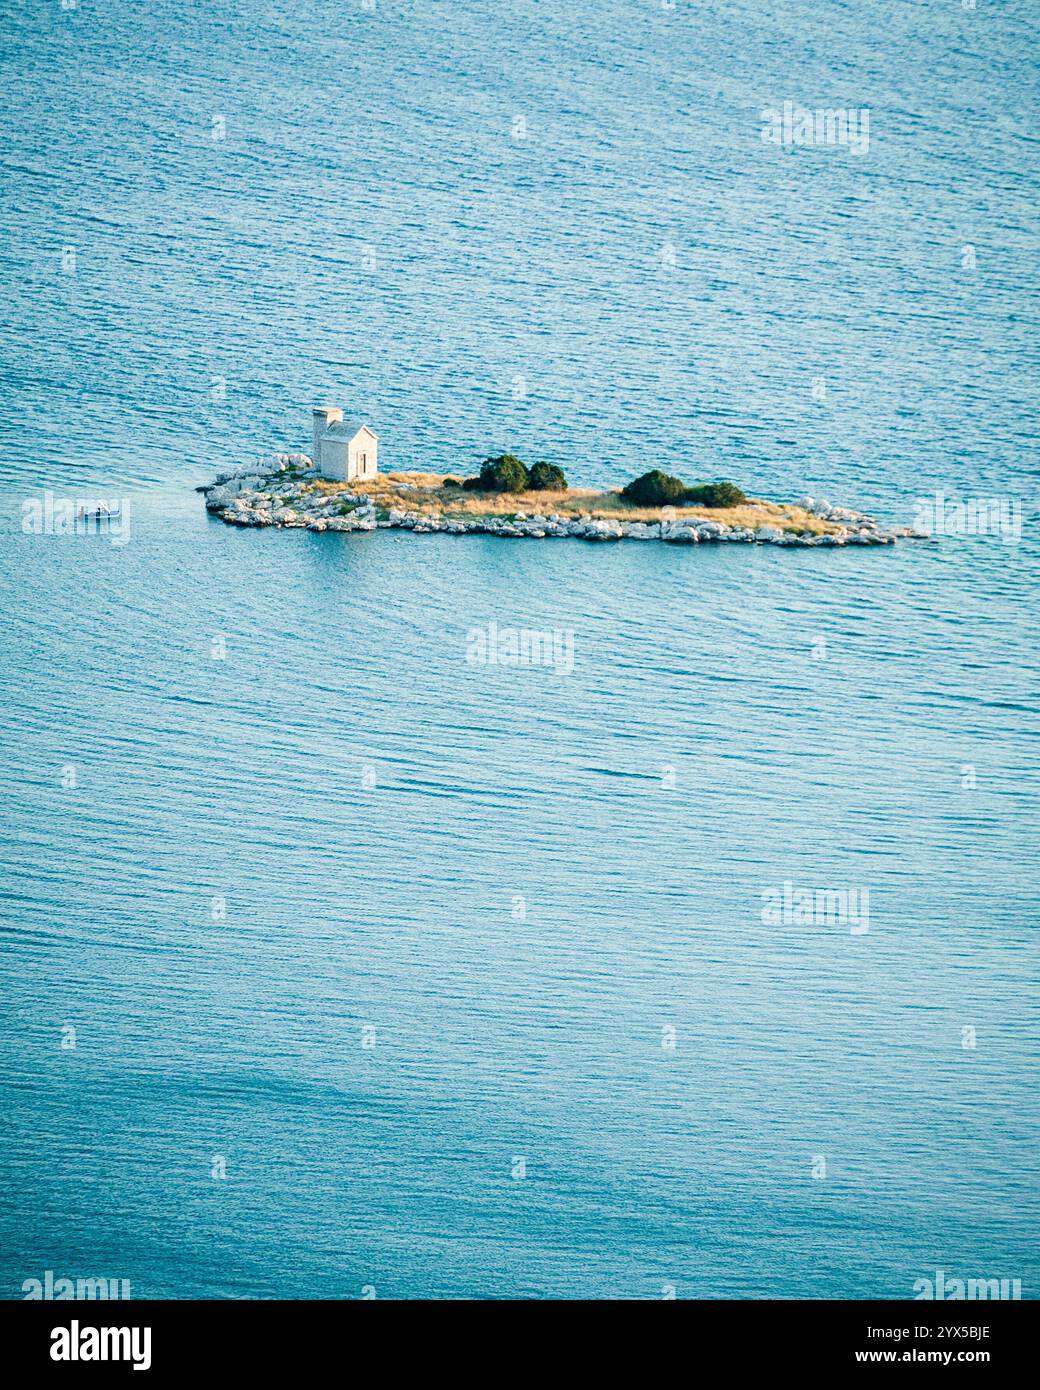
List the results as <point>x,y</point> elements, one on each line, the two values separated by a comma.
<point>506,473</point>
<point>654,489</point>
<point>715,495</point>
<point>546,477</point>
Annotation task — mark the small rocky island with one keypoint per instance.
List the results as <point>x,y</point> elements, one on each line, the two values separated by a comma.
<point>507,499</point>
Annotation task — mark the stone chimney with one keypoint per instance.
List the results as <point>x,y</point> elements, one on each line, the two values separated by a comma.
<point>324,416</point>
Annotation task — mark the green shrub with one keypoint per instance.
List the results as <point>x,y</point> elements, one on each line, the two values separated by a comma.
<point>506,473</point>
<point>472,485</point>
<point>451,482</point>
<point>715,495</point>
<point>654,489</point>
<point>546,477</point>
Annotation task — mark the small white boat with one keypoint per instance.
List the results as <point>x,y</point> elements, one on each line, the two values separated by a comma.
<point>101,511</point>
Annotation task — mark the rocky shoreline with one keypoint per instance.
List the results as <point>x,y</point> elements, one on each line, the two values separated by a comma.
<point>279,492</point>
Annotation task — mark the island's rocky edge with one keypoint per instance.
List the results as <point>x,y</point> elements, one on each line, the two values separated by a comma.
<point>280,491</point>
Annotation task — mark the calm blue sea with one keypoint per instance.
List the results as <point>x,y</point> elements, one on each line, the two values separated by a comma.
<point>458,973</point>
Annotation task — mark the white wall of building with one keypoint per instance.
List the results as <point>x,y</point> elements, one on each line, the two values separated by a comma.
<point>362,459</point>
<point>335,456</point>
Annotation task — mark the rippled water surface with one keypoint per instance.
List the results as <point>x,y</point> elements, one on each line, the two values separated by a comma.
<point>231,875</point>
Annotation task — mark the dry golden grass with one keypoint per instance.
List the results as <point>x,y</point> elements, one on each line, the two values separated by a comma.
<point>432,498</point>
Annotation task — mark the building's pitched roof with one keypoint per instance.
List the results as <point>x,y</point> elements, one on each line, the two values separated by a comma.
<point>347,429</point>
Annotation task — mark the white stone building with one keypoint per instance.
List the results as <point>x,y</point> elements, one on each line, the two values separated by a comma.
<point>343,449</point>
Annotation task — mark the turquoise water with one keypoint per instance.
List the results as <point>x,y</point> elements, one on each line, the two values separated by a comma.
<point>232,874</point>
